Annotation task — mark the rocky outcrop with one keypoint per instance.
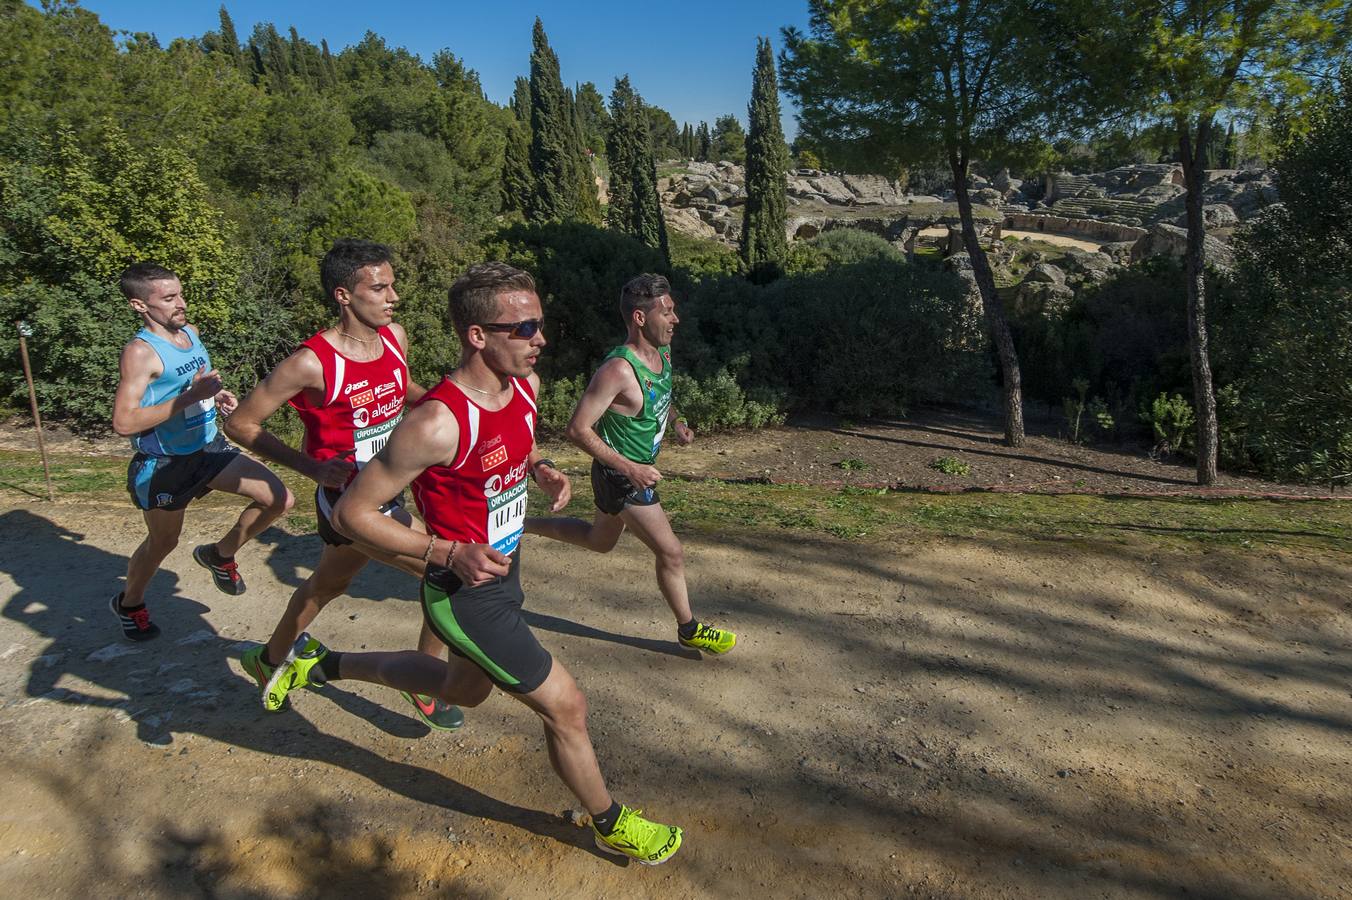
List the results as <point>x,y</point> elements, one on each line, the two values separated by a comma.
<point>1090,229</point>
<point>1170,240</point>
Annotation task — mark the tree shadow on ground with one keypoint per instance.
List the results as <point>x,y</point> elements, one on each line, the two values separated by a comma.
<point>1023,457</point>
<point>170,686</point>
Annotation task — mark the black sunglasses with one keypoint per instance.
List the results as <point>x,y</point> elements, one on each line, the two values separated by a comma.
<point>524,329</point>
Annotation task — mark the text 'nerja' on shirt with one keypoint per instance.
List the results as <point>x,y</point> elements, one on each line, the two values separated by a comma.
<point>191,428</point>
<point>361,403</point>
<point>480,498</point>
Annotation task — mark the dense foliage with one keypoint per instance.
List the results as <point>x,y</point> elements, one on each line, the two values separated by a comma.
<point>765,213</point>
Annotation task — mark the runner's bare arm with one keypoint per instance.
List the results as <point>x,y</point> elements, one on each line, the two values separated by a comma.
<point>298,372</point>
<point>427,436</point>
<point>415,390</point>
<point>607,385</point>
<point>139,366</point>
<point>549,479</point>
<point>684,433</point>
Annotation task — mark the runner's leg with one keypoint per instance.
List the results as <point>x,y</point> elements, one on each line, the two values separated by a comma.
<point>599,535</point>
<point>163,527</point>
<point>562,709</point>
<point>651,526</point>
<point>459,682</point>
<point>249,478</point>
<point>337,567</point>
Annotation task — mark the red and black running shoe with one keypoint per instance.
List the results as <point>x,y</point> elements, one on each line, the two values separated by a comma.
<point>225,572</point>
<point>135,622</point>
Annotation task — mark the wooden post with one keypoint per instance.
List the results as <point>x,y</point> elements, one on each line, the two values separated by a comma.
<point>24,332</point>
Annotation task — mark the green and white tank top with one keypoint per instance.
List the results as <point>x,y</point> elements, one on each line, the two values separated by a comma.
<point>639,437</point>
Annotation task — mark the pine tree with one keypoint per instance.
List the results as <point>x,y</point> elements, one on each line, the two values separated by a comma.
<point>625,120</point>
<point>765,214</point>
<point>554,194</point>
<point>687,141</point>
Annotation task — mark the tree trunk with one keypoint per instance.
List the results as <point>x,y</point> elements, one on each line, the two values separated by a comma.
<point>994,309</point>
<point>1204,398</point>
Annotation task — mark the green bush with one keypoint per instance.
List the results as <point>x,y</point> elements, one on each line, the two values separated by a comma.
<point>840,247</point>
<point>718,402</point>
<point>950,465</point>
<point>1171,420</point>
<point>558,398</point>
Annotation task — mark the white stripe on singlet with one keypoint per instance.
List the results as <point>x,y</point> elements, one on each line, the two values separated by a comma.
<point>338,372</point>
<point>473,413</point>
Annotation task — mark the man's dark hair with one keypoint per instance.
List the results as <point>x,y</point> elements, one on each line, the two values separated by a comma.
<point>345,258</point>
<point>474,296</point>
<point>135,279</point>
<point>642,292</point>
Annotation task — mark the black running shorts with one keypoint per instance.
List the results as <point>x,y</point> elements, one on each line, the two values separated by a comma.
<point>172,482</point>
<point>325,497</point>
<point>613,491</point>
<point>484,625</point>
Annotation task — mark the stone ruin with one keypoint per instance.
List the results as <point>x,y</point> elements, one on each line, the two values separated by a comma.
<point>1131,212</point>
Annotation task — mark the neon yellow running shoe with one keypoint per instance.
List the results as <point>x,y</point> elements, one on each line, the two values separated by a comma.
<point>252,660</point>
<point>709,639</point>
<point>650,843</point>
<point>296,671</point>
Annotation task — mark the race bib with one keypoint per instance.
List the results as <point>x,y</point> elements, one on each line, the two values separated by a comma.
<point>507,517</point>
<point>198,414</point>
<point>369,441</point>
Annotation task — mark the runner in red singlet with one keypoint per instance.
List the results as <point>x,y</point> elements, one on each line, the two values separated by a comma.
<point>468,448</point>
<point>348,383</point>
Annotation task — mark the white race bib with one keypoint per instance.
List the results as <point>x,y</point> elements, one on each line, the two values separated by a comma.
<point>507,517</point>
<point>369,441</point>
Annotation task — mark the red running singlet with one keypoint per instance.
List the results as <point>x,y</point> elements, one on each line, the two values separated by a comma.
<point>481,497</point>
<point>362,402</point>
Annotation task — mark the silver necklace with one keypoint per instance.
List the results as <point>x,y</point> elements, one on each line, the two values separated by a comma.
<point>467,387</point>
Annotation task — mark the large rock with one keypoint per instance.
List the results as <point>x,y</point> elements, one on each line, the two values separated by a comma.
<point>1214,215</point>
<point>869,190</point>
<point>688,221</point>
<point>1047,273</point>
<point>1043,298</point>
<point>831,189</point>
<point>1170,240</point>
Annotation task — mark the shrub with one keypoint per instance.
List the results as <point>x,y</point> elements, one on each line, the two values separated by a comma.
<point>950,465</point>
<point>1171,420</point>
<point>718,402</point>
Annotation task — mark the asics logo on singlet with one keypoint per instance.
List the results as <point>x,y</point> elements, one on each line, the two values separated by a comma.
<point>356,385</point>
<point>493,486</point>
<point>191,365</point>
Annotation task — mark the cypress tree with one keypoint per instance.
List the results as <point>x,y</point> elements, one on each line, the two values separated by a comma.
<point>330,69</point>
<point>300,66</point>
<point>703,142</point>
<point>517,180</point>
<point>765,214</point>
<point>554,194</point>
<point>588,203</point>
<point>230,40</point>
<point>649,226</point>
<point>620,150</point>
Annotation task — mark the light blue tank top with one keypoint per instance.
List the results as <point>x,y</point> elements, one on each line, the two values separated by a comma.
<point>191,428</point>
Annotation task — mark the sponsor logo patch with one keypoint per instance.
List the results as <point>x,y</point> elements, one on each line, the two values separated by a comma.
<point>493,458</point>
<point>355,386</point>
<point>363,398</point>
<point>385,389</point>
<point>361,417</point>
<point>164,499</point>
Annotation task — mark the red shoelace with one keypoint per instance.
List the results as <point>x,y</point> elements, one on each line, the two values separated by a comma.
<point>141,617</point>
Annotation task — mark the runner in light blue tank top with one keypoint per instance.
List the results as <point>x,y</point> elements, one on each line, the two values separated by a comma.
<point>191,428</point>
<point>166,404</point>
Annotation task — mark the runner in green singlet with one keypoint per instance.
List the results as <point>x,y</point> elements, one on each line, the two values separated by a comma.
<point>620,421</point>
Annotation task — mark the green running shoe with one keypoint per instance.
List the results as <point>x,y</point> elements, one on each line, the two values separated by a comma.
<point>436,713</point>
<point>709,639</point>
<point>650,843</point>
<point>296,671</point>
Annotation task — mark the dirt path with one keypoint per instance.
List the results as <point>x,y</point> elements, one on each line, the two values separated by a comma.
<point>948,718</point>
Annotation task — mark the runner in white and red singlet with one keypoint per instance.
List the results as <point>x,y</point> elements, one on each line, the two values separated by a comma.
<point>348,383</point>
<point>467,449</point>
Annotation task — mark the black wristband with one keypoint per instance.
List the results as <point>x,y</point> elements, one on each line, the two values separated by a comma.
<point>544,461</point>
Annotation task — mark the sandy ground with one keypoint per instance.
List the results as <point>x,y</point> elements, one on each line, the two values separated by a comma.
<point>939,718</point>
<point>1060,240</point>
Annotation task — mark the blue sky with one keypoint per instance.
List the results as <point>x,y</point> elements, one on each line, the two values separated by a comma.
<point>693,59</point>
